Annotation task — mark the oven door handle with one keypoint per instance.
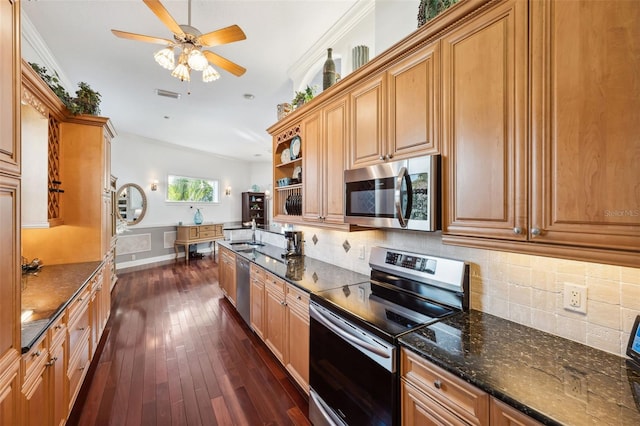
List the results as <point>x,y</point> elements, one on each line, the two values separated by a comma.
<point>331,418</point>
<point>403,175</point>
<point>348,336</point>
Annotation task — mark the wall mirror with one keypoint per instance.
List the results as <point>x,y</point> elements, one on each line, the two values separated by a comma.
<point>132,203</point>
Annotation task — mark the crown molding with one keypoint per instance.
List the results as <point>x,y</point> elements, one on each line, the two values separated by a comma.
<point>338,31</point>
<point>32,37</point>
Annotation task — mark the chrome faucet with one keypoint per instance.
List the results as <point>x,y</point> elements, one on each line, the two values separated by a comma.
<point>253,231</point>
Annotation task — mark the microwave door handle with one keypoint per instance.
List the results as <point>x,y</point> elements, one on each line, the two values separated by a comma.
<point>402,174</point>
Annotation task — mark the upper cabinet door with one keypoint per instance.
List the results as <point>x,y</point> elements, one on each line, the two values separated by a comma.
<point>312,162</point>
<point>9,86</point>
<point>413,85</point>
<point>368,144</point>
<point>586,123</point>
<point>336,136</point>
<point>484,66</point>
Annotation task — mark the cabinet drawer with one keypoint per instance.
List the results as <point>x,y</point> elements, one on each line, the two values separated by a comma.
<point>274,282</point>
<point>207,228</point>
<point>78,304</point>
<point>78,366</point>
<point>297,298</point>
<point>458,396</point>
<point>77,329</point>
<point>33,361</point>
<point>257,272</point>
<point>208,234</point>
<point>57,330</point>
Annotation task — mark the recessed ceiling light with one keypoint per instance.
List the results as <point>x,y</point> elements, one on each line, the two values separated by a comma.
<point>248,96</point>
<point>166,117</point>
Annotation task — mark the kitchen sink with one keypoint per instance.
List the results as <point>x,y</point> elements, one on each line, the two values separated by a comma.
<point>249,243</point>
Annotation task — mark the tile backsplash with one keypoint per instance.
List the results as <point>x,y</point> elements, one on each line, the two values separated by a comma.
<point>522,288</point>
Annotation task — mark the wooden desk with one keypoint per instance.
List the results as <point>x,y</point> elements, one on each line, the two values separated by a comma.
<point>194,234</point>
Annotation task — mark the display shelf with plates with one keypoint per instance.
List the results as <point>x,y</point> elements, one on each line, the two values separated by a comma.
<point>287,174</point>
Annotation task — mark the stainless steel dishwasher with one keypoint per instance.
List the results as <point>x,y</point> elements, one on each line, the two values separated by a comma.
<point>243,302</point>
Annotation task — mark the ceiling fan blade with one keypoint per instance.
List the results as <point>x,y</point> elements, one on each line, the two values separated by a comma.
<point>224,63</point>
<point>140,37</point>
<point>222,36</point>
<point>166,18</point>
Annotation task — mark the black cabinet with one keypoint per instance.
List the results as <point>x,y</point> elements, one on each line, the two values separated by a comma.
<point>254,207</point>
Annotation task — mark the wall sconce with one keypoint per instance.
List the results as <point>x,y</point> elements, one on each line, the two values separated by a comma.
<point>227,191</point>
<point>154,185</point>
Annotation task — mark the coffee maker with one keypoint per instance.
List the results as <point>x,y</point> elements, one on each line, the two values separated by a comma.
<point>294,243</point>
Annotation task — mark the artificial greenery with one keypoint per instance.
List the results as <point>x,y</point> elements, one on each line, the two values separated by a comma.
<point>87,100</point>
<point>303,97</point>
<point>429,9</point>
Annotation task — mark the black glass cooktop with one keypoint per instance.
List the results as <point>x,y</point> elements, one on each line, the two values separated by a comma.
<point>381,309</point>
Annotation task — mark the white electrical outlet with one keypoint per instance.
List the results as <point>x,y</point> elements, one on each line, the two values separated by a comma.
<point>575,384</point>
<point>575,298</point>
<point>361,252</point>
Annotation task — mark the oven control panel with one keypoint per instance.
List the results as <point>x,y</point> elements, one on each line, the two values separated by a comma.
<point>414,263</point>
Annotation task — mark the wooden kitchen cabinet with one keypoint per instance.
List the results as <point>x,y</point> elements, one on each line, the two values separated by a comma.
<point>584,138</point>
<point>79,343</point>
<point>35,401</point>
<point>484,65</point>
<point>257,294</point>
<point>368,138</point>
<point>505,415</point>
<point>429,392</point>
<point>10,337</point>
<point>297,323</point>
<point>325,141</point>
<point>413,104</point>
<point>275,316</point>
<point>227,276</point>
<point>10,152</point>
<point>57,372</point>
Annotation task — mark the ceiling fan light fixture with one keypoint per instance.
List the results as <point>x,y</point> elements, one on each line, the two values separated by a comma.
<point>181,72</point>
<point>210,74</point>
<point>197,61</point>
<point>165,58</point>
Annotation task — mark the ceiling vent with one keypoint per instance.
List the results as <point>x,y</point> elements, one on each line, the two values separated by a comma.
<point>168,94</point>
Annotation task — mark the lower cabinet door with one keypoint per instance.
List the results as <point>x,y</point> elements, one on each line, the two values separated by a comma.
<point>58,397</point>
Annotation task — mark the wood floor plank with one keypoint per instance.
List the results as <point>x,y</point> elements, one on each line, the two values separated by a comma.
<point>178,353</point>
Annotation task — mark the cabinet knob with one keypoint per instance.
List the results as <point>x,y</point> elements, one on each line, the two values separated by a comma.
<point>517,230</point>
<point>535,232</point>
<point>381,158</point>
<point>58,327</point>
<point>81,328</point>
<point>437,384</point>
<point>36,354</point>
<point>389,156</point>
<point>298,297</point>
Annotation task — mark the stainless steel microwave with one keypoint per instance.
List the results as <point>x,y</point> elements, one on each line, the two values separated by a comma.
<point>400,194</point>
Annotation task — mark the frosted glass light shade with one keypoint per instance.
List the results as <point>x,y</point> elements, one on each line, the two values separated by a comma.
<point>181,72</point>
<point>165,58</point>
<point>210,74</point>
<point>197,61</point>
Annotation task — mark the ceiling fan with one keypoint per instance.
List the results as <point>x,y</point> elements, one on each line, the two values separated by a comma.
<point>190,41</point>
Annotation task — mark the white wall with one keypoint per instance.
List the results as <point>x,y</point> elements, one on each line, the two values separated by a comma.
<point>394,20</point>
<point>139,160</point>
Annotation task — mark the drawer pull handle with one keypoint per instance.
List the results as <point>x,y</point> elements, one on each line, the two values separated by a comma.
<point>81,328</point>
<point>52,361</point>
<point>437,384</point>
<point>81,368</point>
<point>298,297</point>
<point>80,299</point>
<point>58,327</point>
<point>36,354</point>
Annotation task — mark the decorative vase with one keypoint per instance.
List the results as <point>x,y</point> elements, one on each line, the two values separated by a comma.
<point>328,71</point>
<point>197,218</point>
<point>360,56</point>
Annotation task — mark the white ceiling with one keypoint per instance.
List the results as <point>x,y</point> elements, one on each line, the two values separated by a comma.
<point>215,117</point>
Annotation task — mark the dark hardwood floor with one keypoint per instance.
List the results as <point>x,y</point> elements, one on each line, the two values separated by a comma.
<point>178,353</point>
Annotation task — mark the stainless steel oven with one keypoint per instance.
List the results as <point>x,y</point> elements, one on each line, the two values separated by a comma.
<point>353,371</point>
<point>401,194</point>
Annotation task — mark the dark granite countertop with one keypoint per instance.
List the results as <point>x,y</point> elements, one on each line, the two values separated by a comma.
<point>309,274</point>
<point>48,292</point>
<point>552,379</point>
